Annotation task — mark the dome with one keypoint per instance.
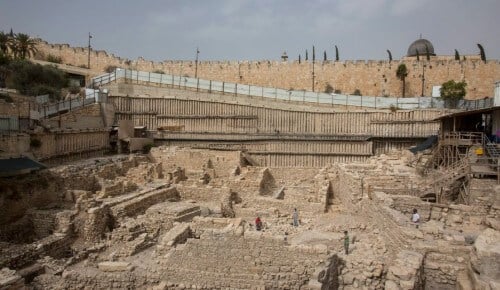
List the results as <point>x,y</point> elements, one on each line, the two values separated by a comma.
<point>421,45</point>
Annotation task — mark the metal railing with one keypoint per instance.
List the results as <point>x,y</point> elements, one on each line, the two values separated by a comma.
<point>185,82</point>
<point>51,109</point>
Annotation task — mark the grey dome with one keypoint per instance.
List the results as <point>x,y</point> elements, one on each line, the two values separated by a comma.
<point>420,45</point>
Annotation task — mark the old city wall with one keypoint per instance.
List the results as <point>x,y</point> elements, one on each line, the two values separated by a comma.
<point>372,78</point>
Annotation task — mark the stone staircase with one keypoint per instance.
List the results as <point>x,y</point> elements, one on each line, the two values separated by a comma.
<point>238,262</point>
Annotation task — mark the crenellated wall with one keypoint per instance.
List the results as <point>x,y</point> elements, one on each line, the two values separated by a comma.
<point>372,77</point>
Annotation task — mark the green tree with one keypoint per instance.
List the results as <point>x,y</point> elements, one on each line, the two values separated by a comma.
<point>324,56</point>
<point>452,92</point>
<point>402,73</point>
<point>336,53</point>
<point>457,55</point>
<point>300,60</point>
<point>23,46</point>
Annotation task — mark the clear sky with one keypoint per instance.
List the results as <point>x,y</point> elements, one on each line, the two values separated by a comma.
<point>259,29</point>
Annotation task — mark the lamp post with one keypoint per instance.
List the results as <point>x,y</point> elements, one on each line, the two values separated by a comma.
<point>196,63</point>
<point>313,76</point>
<point>423,80</point>
<point>88,64</point>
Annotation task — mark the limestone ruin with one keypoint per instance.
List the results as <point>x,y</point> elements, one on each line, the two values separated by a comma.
<point>110,223</point>
<point>182,216</point>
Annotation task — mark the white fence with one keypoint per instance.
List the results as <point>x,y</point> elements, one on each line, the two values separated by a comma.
<point>281,94</point>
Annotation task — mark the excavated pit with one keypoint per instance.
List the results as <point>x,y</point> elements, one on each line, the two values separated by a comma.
<point>185,218</point>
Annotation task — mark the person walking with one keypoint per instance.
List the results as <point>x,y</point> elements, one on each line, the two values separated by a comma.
<point>346,242</point>
<point>295,218</point>
<point>415,218</point>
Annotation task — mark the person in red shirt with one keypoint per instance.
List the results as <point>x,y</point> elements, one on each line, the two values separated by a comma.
<point>258,224</point>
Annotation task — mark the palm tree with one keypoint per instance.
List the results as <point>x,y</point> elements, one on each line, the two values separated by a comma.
<point>390,55</point>
<point>24,46</point>
<point>401,73</point>
<point>481,52</point>
<point>4,42</point>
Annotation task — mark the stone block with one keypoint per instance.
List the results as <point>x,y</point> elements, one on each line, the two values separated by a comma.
<point>391,285</point>
<point>114,266</point>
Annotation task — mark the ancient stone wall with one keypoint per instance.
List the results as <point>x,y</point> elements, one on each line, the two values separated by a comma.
<point>14,144</point>
<point>453,216</point>
<point>78,118</point>
<point>372,77</point>
<point>247,263</point>
<point>443,266</point>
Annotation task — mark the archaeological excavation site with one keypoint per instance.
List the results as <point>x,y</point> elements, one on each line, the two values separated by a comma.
<point>153,184</point>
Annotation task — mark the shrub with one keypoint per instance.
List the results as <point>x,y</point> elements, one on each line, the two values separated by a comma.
<point>37,90</point>
<point>74,90</point>
<point>146,148</point>
<point>328,88</point>
<point>110,68</point>
<point>35,143</point>
<point>35,79</point>
<point>357,92</point>
<point>6,97</point>
<point>159,71</point>
<point>393,108</point>
<point>337,91</point>
<point>53,58</point>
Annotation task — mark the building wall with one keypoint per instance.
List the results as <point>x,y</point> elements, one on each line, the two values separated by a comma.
<point>372,77</point>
